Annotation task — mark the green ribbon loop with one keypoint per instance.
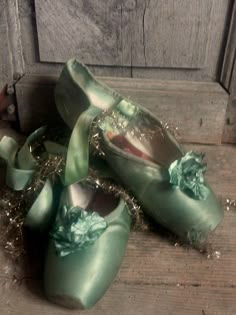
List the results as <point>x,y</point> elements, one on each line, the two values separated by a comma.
<point>54,148</point>
<point>16,178</point>
<point>25,159</point>
<point>41,212</point>
<point>21,166</point>
<point>77,162</point>
<point>187,173</point>
<point>76,229</point>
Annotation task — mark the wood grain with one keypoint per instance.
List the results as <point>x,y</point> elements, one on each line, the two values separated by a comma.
<point>218,32</point>
<point>198,109</point>
<point>229,133</point>
<point>36,105</point>
<point>228,79</point>
<point>5,52</point>
<point>156,277</point>
<point>31,50</point>
<point>138,33</point>
<point>220,18</point>
<point>127,299</point>
<point>15,42</point>
<point>229,56</point>
<point>11,58</point>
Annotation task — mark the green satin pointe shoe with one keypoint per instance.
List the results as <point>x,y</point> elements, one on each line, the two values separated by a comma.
<point>86,247</point>
<point>145,156</point>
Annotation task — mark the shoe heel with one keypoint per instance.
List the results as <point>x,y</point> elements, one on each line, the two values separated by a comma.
<point>77,89</point>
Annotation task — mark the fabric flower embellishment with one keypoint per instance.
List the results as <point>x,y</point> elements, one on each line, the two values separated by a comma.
<point>187,174</point>
<point>76,229</point>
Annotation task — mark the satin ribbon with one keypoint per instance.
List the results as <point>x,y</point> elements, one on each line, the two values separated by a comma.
<point>187,174</point>
<point>76,229</point>
<point>77,162</point>
<point>20,162</point>
<point>21,167</point>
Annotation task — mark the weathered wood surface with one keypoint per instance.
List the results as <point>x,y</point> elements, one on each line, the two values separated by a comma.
<point>15,42</point>
<point>228,80</point>
<point>229,56</point>
<point>198,109</point>
<point>35,102</point>
<point>5,60</point>
<point>5,66</point>
<point>156,277</point>
<point>139,33</point>
<point>217,33</point>
<point>11,58</point>
<point>229,133</point>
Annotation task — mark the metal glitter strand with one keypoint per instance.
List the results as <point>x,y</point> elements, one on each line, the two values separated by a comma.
<point>112,188</point>
<point>122,125</point>
<point>15,205</point>
<point>229,204</point>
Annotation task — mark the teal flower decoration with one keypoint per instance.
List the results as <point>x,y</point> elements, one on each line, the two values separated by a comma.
<point>187,174</point>
<point>76,229</point>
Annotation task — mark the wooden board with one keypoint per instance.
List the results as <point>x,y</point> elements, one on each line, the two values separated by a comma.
<point>151,33</point>
<point>198,109</point>
<point>229,56</point>
<point>220,18</point>
<point>156,276</point>
<point>228,80</point>
<point>15,43</point>
<point>5,53</point>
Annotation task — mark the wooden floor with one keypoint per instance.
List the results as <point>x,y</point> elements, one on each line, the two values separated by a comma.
<point>157,276</point>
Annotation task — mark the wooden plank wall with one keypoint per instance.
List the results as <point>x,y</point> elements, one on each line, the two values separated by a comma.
<point>123,33</point>
<point>5,61</point>
<point>36,46</point>
<point>218,19</point>
<point>196,108</point>
<point>11,56</point>
<point>228,80</point>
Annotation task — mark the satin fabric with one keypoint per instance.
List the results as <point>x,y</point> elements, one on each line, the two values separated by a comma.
<point>80,279</point>
<point>190,219</point>
<point>21,167</point>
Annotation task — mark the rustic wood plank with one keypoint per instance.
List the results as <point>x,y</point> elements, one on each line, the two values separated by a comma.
<point>126,299</point>
<point>30,43</point>
<point>228,79</point>
<point>116,33</point>
<point>198,109</point>
<point>218,31</point>
<point>229,56</point>
<point>220,16</point>
<point>15,44</point>
<point>11,59</point>
<point>36,105</point>
<point>229,132</point>
<point>156,277</point>
<point>5,61</point>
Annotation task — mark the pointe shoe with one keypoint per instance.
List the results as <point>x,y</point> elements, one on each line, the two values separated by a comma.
<point>86,246</point>
<point>145,156</point>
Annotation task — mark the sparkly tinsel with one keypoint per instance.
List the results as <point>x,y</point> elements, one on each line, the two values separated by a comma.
<point>122,125</point>
<point>229,204</point>
<point>15,205</point>
<point>139,220</point>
